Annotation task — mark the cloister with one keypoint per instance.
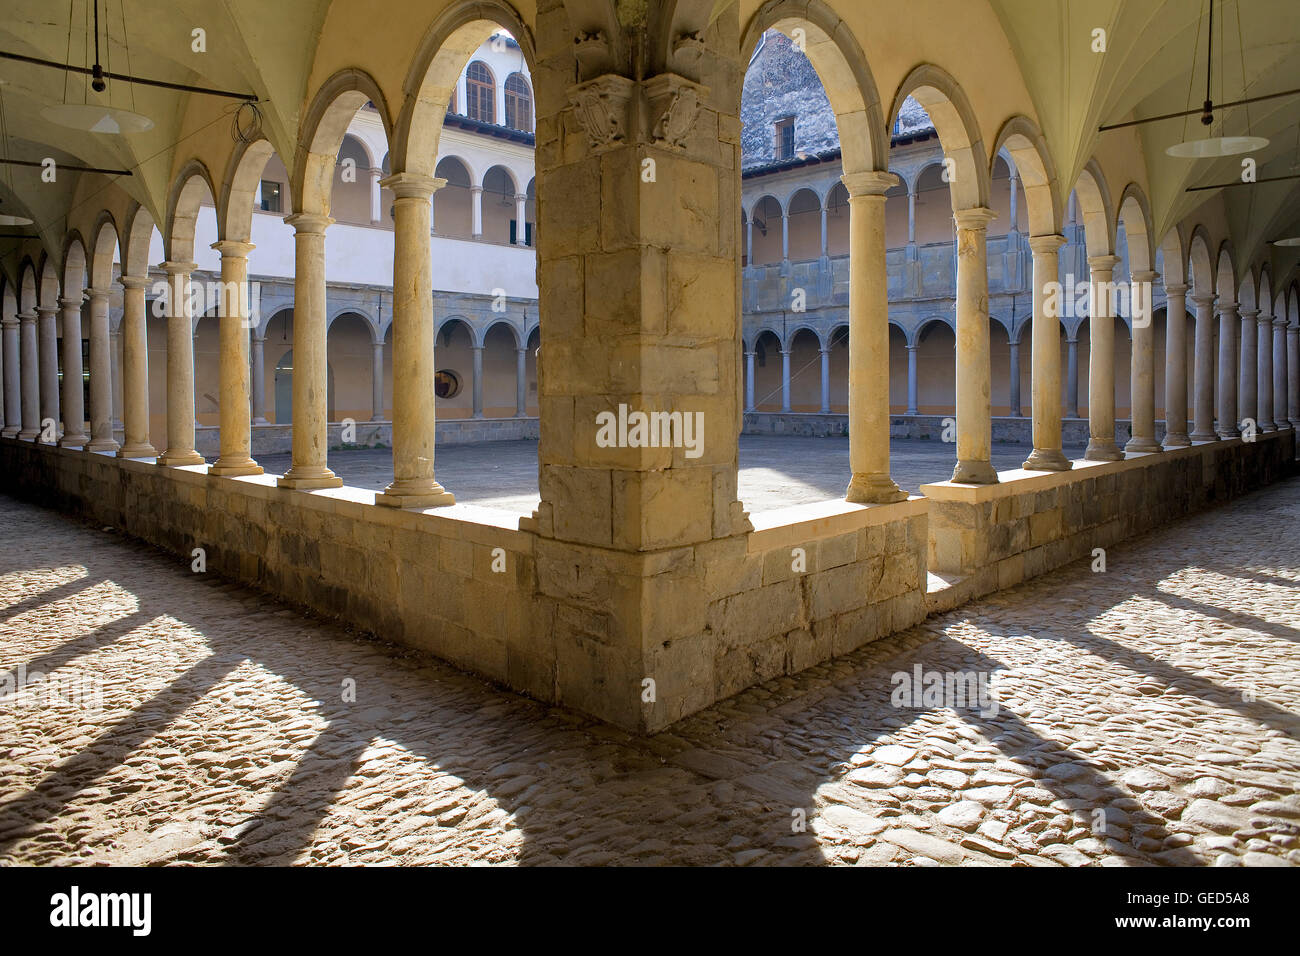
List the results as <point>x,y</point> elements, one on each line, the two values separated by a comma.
<point>641,589</point>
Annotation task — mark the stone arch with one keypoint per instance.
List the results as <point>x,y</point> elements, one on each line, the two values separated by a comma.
<point>323,128</point>
<point>805,327</point>
<point>914,339</point>
<point>1022,141</point>
<point>1265,297</point>
<point>841,65</point>
<point>805,243</point>
<point>1096,209</point>
<point>1201,265</point>
<point>239,190</point>
<point>442,54</point>
<point>1135,212</point>
<point>514,331</point>
<point>74,264</point>
<point>106,240</point>
<point>1246,291</point>
<point>1225,279</point>
<point>450,322</point>
<point>954,120</point>
<point>183,210</point>
<point>1174,250</point>
<point>366,319</point>
<point>27,289</point>
<point>136,241</point>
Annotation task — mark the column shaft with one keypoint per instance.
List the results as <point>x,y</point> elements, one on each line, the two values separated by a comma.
<point>1203,426</point>
<point>377,381</point>
<point>73,402</point>
<point>236,414</point>
<point>1013,373</point>
<point>974,373</point>
<point>478,381</point>
<point>826,381</point>
<point>785,380</point>
<point>1264,373</point>
<point>13,423</point>
<point>1142,366</point>
<point>1247,376</point>
<point>912,389</point>
<point>1226,426</point>
<point>180,368</point>
<point>1291,376</point>
<point>414,411</point>
<point>47,335</point>
<point>1101,361</point>
<point>101,371</point>
<point>258,363</point>
<point>1045,358</point>
<point>1284,374</point>
<point>868,341</point>
<point>29,358</point>
<point>1176,366</point>
<point>135,371</point>
<point>310,363</point>
<point>749,381</point>
<point>521,382</point>
<point>1072,378</point>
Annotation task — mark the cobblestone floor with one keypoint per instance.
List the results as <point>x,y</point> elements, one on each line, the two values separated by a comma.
<point>1144,715</point>
<point>776,471</point>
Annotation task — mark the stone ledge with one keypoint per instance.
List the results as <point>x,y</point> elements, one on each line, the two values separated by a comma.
<point>823,519</point>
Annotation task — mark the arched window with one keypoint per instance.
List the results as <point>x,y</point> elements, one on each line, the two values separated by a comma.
<point>519,103</point>
<point>480,93</point>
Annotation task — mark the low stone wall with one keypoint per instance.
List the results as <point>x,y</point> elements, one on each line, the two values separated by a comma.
<point>1074,431</point>
<point>994,536</point>
<point>278,439</point>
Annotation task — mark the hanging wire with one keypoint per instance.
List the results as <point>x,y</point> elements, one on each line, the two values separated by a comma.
<point>246,128</point>
<point>126,45</point>
<point>68,55</point>
<point>1191,74</point>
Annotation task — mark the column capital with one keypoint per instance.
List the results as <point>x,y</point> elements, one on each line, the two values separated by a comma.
<point>46,310</point>
<point>97,293</point>
<point>1102,263</point>
<point>1203,300</point>
<point>65,303</point>
<point>1228,307</point>
<point>308,222</point>
<point>1251,314</point>
<point>1176,288</point>
<point>413,185</point>
<point>977,217</point>
<point>30,317</point>
<point>476,189</point>
<point>1044,244</point>
<point>178,268</point>
<point>134,282</point>
<point>233,248</point>
<point>1147,275</point>
<point>10,323</point>
<point>870,183</point>
<point>1280,322</point>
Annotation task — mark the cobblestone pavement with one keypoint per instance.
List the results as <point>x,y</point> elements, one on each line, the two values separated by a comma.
<point>775,470</point>
<point>1147,714</point>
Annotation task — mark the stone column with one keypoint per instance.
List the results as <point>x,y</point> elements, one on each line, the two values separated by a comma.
<point>1203,426</point>
<point>785,237</point>
<point>1284,372</point>
<point>1248,390</point>
<point>1045,360</point>
<point>1011,181</point>
<point>258,377</point>
<point>476,211</point>
<point>414,413</point>
<point>101,382</point>
<point>30,374</point>
<point>825,246</point>
<point>869,341</point>
<point>1290,375</point>
<point>912,389</point>
<point>12,378</point>
<point>785,380</point>
<point>236,410</point>
<point>1014,375</point>
<point>1072,377</point>
<point>1226,425</point>
<point>749,381</point>
<point>521,215</point>
<point>826,381</point>
<point>73,402</point>
<point>310,368</point>
<point>974,414</point>
<point>376,196</point>
<point>1142,366</point>
<point>115,363</point>
<point>135,371</point>
<point>377,381</point>
<point>521,381</point>
<point>749,241</point>
<point>1264,373</point>
<point>47,337</point>
<point>180,368</point>
<point>1101,362</point>
<point>911,215</point>
<point>477,390</point>
<point>1176,365</point>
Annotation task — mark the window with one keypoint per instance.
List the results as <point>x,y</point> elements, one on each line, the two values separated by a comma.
<point>785,138</point>
<point>519,103</point>
<point>270,196</point>
<point>446,383</point>
<point>480,93</point>
<point>514,233</point>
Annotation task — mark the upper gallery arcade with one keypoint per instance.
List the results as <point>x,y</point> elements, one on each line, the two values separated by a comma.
<point>641,562</point>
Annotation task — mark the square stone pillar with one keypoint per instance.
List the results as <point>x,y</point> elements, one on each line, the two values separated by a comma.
<point>638,207</point>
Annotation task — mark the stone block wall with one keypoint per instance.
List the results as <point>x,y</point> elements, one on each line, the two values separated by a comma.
<point>278,439</point>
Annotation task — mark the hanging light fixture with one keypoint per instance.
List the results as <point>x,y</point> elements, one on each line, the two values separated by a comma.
<point>6,220</point>
<point>1214,145</point>
<point>96,117</point>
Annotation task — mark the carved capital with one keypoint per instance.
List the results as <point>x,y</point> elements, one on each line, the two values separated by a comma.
<point>673,103</point>
<point>604,107</point>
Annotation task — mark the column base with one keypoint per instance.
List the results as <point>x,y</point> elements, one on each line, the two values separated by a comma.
<point>260,420</point>
<point>1290,426</point>
<point>1265,427</point>
<point>1228,435</point>
<point>308,479</point>
<point>974,473</point>
<point>103,444</point>
<point>1142,445</point>
<point>235,467</point>
<point>873,489</point>
<point>170,457</point>
<point>1047,459</point>
<point>10,432</point>
<point>438,499</point>
<point>1103,449</point>
<point>137,450</point>
<point>1180,440</point>
<point>68,441</point>
<point>1199,436</point>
